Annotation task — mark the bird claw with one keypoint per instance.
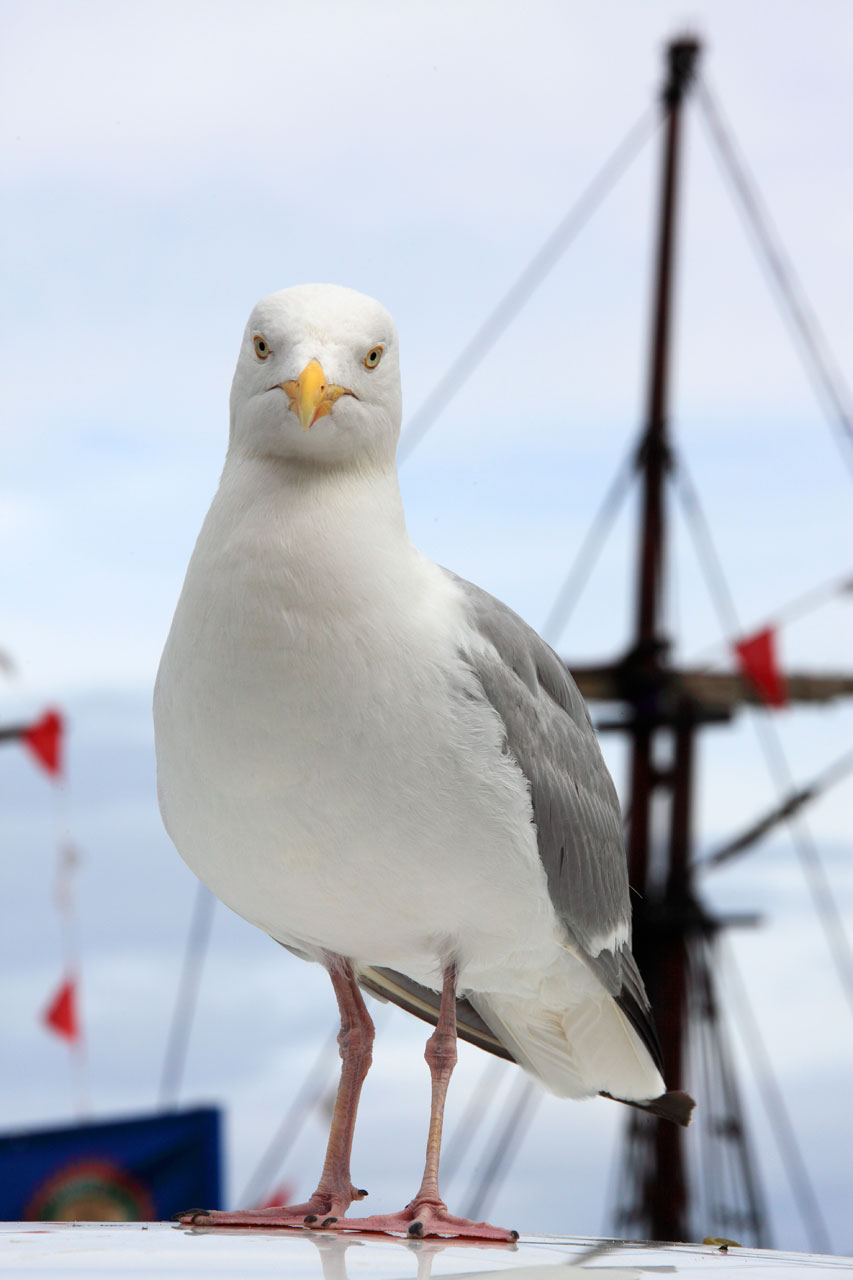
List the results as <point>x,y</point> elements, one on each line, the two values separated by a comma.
<point>189,1215</point>
<point>417,1221</point>
<point>294,1217</point>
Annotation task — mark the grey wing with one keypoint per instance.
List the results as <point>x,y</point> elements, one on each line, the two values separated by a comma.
<point>575,807</point>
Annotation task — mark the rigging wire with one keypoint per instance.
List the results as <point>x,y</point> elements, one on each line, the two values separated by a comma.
<point>526,284</point>
<point>699,1050</point>
<point>518,1113</point>
<point>576,579</point>
<point>811,342</point>
<point>186,997</point>
<point>612,1198</point>
<point>792,802</point>
<point>809,858</point>
<point>302,1104</point>
<point>726,1129</point>
<point>805,603</point>
<point>471,1119</point>
<point>808,1205</point>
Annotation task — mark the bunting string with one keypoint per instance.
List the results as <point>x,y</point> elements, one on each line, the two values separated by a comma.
<point>44,741</point>
<point>799,607</point>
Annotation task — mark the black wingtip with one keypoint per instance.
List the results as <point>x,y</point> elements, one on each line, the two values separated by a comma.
<point>674,1105</point>
<point>640,1017</point>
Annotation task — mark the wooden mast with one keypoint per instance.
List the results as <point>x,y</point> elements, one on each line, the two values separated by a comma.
<point>660,942</point>
<point>666,707</point>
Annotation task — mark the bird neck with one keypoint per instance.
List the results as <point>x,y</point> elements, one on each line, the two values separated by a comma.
<point>316,516</point>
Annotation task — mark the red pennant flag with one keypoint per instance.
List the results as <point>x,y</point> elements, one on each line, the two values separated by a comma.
<point>61,1013</point>
<point>44,739</point>
<point>758,662</point>
<point>283,1194</point>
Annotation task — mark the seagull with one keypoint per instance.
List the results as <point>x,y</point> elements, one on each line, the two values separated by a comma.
<point>383,767</point>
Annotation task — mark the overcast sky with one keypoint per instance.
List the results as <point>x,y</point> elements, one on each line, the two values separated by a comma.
<point>164,165</point>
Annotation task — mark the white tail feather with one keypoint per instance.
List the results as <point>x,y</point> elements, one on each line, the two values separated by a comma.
<point>576,1051</point>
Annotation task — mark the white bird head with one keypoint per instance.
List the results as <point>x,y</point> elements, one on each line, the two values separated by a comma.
<point>318,379</point>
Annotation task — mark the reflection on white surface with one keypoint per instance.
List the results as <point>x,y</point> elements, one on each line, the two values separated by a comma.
<point>167,1251</point>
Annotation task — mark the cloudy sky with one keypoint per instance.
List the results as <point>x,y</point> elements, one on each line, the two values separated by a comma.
<point>166,165</point>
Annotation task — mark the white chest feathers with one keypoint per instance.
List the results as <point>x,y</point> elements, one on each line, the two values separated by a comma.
<point>325,761</point>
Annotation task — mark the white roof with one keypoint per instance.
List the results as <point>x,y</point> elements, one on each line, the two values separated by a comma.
<point>164,1250</point>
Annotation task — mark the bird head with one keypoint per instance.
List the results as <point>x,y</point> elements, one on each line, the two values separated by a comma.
<point>317,379</point>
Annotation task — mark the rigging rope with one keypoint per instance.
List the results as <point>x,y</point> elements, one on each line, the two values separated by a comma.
<point>810,861</point>
<point>518,1113</point>
<point>725,1129</point>
<point>576,579</point>
<point>319,1081</point>
<point>526,284</point>
<point>805,603</point>
<point>808,1205</point>
<point>809,339</point>
<point>472,1117</point>
<point>302,1104</point>
<point>792,802</point>
<point>186,997</point>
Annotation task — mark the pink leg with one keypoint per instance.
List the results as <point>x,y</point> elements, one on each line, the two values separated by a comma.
<point>427,1214</point>
<point>335,1191</point>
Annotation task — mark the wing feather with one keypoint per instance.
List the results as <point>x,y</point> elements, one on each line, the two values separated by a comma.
<point>575,806</point>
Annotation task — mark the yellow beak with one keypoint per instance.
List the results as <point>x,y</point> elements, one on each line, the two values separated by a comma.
<point>311,397</point>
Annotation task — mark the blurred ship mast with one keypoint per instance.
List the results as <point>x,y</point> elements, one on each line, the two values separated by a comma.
<point>664,710</point>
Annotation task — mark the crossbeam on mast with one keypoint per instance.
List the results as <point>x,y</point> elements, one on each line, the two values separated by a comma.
<point>714,690</point>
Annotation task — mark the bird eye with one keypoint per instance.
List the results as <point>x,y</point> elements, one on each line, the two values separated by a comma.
<point>374,355</point>
<point>261,347</point>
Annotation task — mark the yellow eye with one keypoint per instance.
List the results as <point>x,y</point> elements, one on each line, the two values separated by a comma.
<point>261,347</point>
<point>374,355</point>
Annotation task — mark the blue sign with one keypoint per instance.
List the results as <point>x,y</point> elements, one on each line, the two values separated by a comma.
<point>139,1170</point>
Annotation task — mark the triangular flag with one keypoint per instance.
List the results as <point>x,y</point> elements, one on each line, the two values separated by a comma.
<point>758,662</point>
<point>282,1194</point>
<point>61,1013</point>
<point>44,739</point>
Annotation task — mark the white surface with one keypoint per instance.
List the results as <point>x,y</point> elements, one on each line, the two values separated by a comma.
<point>164,1250</point>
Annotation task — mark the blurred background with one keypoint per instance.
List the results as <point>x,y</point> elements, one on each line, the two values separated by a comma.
<point>164,166</point>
